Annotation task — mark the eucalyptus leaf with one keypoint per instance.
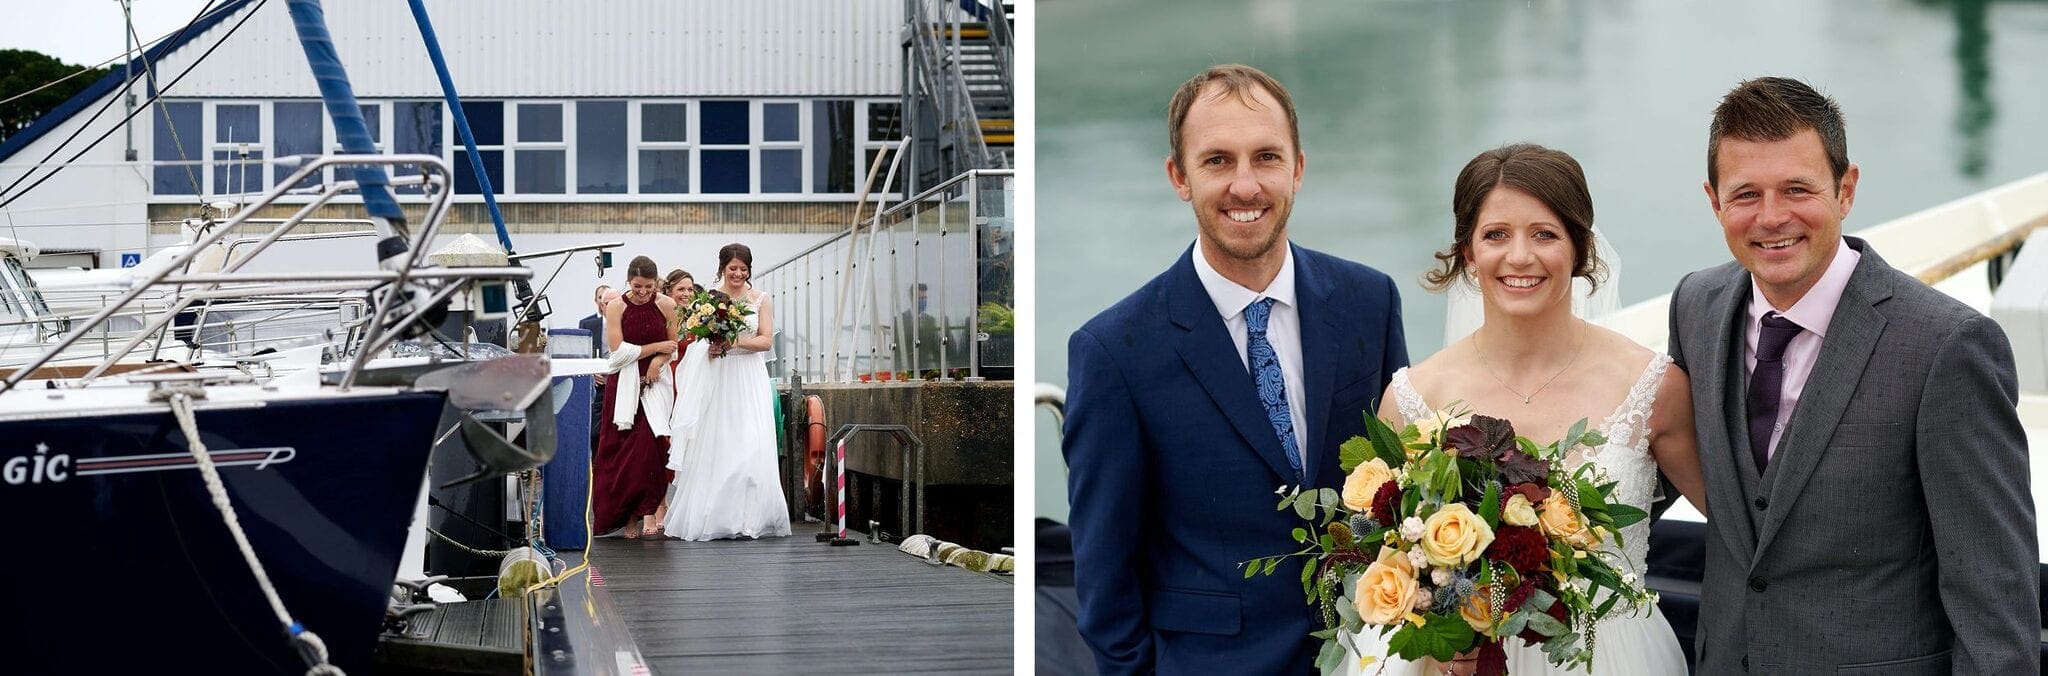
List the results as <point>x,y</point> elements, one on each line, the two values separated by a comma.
<point>1308,583</point>
<point>1326,542</point>
<point>1251,569</point>
<point>1577,431</point>
<point>1271,564</point>
<point>1286,500</point>
<point>1329,634</point>
<point>1347,612</point>
<point>1546,625</point>
<point>1331,659</point>
<point>1593,439</point>
<point>1305,506</point>
<point>1516,622</point>
<point>1301,534</point>
<point>1562,647</point>
<point>1539,599</point>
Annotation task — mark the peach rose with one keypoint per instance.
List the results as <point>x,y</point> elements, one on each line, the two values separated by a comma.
<point>1478,610</point>
<point>1518,511</point>
<point>1562,522</point>
<point>1365,480</point>
<point>1454,536</point>
<point>1386,592</point>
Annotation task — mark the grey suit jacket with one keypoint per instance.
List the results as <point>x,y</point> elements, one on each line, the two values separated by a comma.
<point>1894,529</point>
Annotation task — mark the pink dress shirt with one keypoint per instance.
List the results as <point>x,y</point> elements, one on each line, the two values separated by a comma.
<point>1812,313</point>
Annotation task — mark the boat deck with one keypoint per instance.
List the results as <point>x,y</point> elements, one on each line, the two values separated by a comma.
<point>796,605</point>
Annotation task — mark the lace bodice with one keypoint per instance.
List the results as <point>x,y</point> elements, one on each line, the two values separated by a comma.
<point>1625,457</point>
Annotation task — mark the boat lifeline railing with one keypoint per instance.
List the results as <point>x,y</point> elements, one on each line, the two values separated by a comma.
<point>932,288</point>
<point>433,173</point>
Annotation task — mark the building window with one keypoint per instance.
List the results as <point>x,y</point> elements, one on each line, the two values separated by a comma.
<point>237,149</point>
<point>179,137</point>
<point>664,150</point>
<point>373,121</point>
<point>883,128</point>
<point>415,129</point>
<point>782,147</point>
<point>601,147</point>
<point>298,132</point>
<point>832,139</point>
<point>487,126</point>
<point>726,131</point>
<point>540,159</point>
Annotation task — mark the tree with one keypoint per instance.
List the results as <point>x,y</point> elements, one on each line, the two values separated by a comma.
<point>22,70</point>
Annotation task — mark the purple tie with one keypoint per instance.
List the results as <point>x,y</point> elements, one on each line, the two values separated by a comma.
<point>1767,384</point>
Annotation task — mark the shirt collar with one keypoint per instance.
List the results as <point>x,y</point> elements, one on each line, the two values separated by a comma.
<point>1815,309</point>
<point>1231,298</point>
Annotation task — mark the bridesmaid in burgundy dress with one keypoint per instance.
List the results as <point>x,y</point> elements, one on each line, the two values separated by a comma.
<point>630,468</point>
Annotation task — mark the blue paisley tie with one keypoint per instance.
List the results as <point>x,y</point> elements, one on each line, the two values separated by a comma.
<point>1265,367</point>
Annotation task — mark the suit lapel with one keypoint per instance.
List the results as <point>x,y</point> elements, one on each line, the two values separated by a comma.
<point>1852,337</point>
<point>1205,347</point>
<point>1722,379</point>
<point>1319,334</point>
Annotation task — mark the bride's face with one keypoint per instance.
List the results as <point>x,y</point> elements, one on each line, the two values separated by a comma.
<point>737,272</point>
<point>1521,254</point>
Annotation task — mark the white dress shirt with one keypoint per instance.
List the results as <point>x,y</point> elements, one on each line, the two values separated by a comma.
<point>1283,330</point>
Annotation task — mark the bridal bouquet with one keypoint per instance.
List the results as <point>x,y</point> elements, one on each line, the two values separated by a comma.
<point>1453,535</point>
<point>714,316</point>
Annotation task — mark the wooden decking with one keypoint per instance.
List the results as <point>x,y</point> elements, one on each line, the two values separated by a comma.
<point>796,605</point>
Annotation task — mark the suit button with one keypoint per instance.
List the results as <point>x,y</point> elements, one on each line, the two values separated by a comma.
<point>1762,504</point>
<point>1745,663</point>
<point>1757,584</point>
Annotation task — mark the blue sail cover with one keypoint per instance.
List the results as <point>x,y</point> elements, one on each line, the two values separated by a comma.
<point>311,22</point>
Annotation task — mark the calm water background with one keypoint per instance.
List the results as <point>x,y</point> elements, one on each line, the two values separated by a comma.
<point>1942,99</point>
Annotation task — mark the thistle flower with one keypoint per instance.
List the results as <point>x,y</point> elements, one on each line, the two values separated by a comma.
<point>1361,524</point>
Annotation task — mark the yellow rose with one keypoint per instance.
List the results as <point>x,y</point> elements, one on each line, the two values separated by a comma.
<point>1478,609</point>
<point>1562,522</point>
<point>1518,511</point>
<point>1454,536</point>
<point>1438,421</point>
<point>1386,592</point>
<point>1365,480</point>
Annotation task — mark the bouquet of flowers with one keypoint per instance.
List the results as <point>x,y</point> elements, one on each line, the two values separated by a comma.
<point>714,316</point>
<point>1453,535</point>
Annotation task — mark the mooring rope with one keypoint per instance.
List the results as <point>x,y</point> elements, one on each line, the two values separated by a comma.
<point>309,645</point>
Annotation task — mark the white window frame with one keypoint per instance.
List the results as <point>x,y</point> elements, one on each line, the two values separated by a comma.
<point>759,112</point>
<point>261,145</point>
<point>636,143</point>
<point>513,145</point>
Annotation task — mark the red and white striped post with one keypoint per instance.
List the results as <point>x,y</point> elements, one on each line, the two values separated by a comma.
<point>842,487</point>
<point>842,540</point>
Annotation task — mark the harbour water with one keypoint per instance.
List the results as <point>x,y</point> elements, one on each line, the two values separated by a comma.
<point>1942,98</point>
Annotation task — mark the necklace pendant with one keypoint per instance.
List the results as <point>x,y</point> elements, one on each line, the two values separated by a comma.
<point>1525,400</point>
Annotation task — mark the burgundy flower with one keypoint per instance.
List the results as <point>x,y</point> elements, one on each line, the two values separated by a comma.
<point>1535,492</point>
<point>1523,547</point>
<point>1493,660</point>
<point>1384,502</point>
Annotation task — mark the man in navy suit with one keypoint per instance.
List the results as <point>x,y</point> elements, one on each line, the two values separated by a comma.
<point>1240,369</point>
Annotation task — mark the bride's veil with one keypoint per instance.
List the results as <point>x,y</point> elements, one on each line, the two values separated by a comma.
<point>1464,310</point>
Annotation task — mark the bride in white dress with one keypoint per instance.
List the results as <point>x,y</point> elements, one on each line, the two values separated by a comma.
<point>1523,234</point>
<point>723,445</point>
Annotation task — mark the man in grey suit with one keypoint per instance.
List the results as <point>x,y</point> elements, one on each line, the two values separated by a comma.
<point>1867,481</point>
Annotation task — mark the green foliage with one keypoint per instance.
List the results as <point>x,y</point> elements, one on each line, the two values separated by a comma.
<point>1300,534</point>
<point>1623,516</point>
<point>1331,659</point>
<point>22,70</point>
<point>998,318</point>
<point>1385,442</point>
<point>1354,452</point>
<point>1440,637</point>
<point>1489,507</point>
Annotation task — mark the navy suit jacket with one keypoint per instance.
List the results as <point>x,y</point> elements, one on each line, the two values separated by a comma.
<point>1172,467</point>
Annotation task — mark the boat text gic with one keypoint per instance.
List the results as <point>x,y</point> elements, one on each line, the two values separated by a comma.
<point>44,467</point>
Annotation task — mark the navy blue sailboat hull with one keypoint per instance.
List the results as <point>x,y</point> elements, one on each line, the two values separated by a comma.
<point>121,561</point>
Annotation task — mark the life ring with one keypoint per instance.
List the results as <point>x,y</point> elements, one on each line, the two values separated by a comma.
<point>814,449</point>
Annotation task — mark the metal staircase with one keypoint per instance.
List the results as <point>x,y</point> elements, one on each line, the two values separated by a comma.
<point>958,87</point>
